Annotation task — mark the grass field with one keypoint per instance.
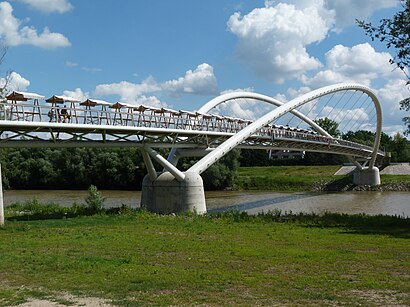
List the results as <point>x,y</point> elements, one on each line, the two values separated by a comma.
<point>140,258</point>
<point>301,178</point>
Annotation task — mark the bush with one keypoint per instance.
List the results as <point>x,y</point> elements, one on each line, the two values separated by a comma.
<point>94,200</point>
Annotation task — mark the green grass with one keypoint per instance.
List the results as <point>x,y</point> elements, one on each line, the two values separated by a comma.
<point>306,178</point>
<point>140,258</point>
<point>394,178</point>
<point>284,178</point>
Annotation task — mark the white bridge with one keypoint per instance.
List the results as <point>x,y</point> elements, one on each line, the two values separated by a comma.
<point>27,120</point>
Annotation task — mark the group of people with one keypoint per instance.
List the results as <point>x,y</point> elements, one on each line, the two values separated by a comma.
<point>62,114</point>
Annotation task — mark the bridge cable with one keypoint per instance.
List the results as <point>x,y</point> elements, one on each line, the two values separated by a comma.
<point>334,108</point>
<point>314,105</point>
<point>366,118</point>
<point>352,109</point>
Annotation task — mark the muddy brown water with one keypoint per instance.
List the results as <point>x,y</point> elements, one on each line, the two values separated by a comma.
<point>391,203</point>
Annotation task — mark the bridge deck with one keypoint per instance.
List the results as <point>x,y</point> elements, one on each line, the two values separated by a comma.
<point>125,125</point>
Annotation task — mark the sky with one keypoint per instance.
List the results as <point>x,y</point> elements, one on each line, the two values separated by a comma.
<point>182,53</point>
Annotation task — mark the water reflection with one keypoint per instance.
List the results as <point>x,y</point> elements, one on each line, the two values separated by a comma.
<point>392,203</point>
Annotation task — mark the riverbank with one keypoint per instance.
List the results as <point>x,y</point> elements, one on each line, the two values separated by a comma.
<point>138,258</point>
<point>309,179</point>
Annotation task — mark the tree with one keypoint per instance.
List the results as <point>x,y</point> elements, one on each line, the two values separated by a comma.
<point>361,136</point>
<point>400,149</point>
<point>329,125</point>
<point>221,174</point>
<point>395,32</point>
<point>315,158</point>
<point>254,157</point>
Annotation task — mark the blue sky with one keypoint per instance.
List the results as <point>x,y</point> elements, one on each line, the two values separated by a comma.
<point>182,53</point>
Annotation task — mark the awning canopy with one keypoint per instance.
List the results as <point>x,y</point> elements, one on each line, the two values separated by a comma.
<point>61,99</point>
<point>119,105</point>
<point>95,102</point>
<point>23,96</point>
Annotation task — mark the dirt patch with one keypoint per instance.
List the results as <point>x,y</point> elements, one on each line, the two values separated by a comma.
<point>68,301</point>
<point>381,298</point>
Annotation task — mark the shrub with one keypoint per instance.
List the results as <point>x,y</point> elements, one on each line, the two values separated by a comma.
<point>94,200</point>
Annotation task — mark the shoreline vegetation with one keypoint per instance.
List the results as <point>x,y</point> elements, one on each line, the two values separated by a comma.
<point>309,179</point>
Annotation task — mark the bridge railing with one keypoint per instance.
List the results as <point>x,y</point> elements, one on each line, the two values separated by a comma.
<point>123,115</point>
<point>150,117</point>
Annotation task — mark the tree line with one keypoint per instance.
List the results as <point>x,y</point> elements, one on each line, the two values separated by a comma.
<point>106,168</point>
<point>397,147</point>
<point>123,168</point>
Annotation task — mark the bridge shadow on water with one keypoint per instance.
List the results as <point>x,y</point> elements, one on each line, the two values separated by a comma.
<point>262,203</point>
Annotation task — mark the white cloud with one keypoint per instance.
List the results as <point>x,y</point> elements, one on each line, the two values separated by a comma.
<point>128,92</point>
<point>392,130</point>
<point>392,92</point>
<point>50,6</point>
<point>13,34</point>
<point>243,108</point>
<point>247,89</point>
<point>201,81</point>
<point>151,101</point>
<point>272,39</point>
<point>390,95</point>
<point>347,11</point>
<point>15,83</point>
<point>77,94</point>
<point>360,63</point>
<point>344,116</point>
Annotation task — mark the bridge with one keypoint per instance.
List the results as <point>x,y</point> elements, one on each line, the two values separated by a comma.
<point>30,120</point>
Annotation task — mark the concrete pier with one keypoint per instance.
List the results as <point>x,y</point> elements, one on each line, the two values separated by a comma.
<point>366,176</point>
<point>166,194</point>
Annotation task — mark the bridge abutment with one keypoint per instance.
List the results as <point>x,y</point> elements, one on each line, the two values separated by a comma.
<point>366,176</point>
<point>166,194</point>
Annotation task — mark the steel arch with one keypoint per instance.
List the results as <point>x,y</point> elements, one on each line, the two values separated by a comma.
<point>282,109</point>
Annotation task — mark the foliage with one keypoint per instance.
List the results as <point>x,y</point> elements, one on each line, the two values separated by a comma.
<point>405,105</point>
<point>147,259</point>
<point>34,207</point>
<point>94,200</point>
<point>361,136</point>
<point>72,168</point>
<point>78,168</point>
<point>329,125</point>
<point>254,157</point>
<point>221,174</point>
<point>398,146</point>
<point>395,32</point>
<point>314,158</point>
<point>400,149</point>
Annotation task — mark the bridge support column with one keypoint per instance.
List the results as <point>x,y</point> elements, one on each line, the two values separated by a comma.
<point>165,194</point>
<point>366,176</point>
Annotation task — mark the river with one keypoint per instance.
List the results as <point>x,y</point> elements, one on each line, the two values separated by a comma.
<point>390,203</point>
